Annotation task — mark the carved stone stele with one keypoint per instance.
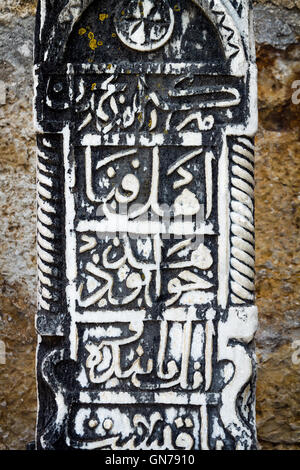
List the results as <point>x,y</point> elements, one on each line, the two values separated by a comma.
<point>145,113</point>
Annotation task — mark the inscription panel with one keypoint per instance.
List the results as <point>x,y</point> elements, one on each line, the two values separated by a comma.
<point>145,113</point>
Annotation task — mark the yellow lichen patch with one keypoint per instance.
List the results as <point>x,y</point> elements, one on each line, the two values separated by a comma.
<point>123,12</point>
<point>109,66</point>
<point>141,7</point>
<point>176,8</point>
<point>93,42</point>
<point>150,123</point>
<point>82,31</point>
<point>103,16</point>
<point>93,86</point>
<point>113,35</point>
<point>140,117</point>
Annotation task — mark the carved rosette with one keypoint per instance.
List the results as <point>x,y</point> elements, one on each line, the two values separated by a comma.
<point>145,113</point>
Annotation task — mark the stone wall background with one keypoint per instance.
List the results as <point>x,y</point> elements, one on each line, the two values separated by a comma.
<point>277,28</point>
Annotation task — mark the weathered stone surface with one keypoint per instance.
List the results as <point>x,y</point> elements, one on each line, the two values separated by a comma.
<point>17,206</point>
<point>289,4</point>
<point>278,396</point>
<point>277,234</point>
<point>277,237</point>
<point>276,26</point>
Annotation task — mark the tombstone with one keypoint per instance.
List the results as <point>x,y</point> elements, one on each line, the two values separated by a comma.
<point>145,113</point>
